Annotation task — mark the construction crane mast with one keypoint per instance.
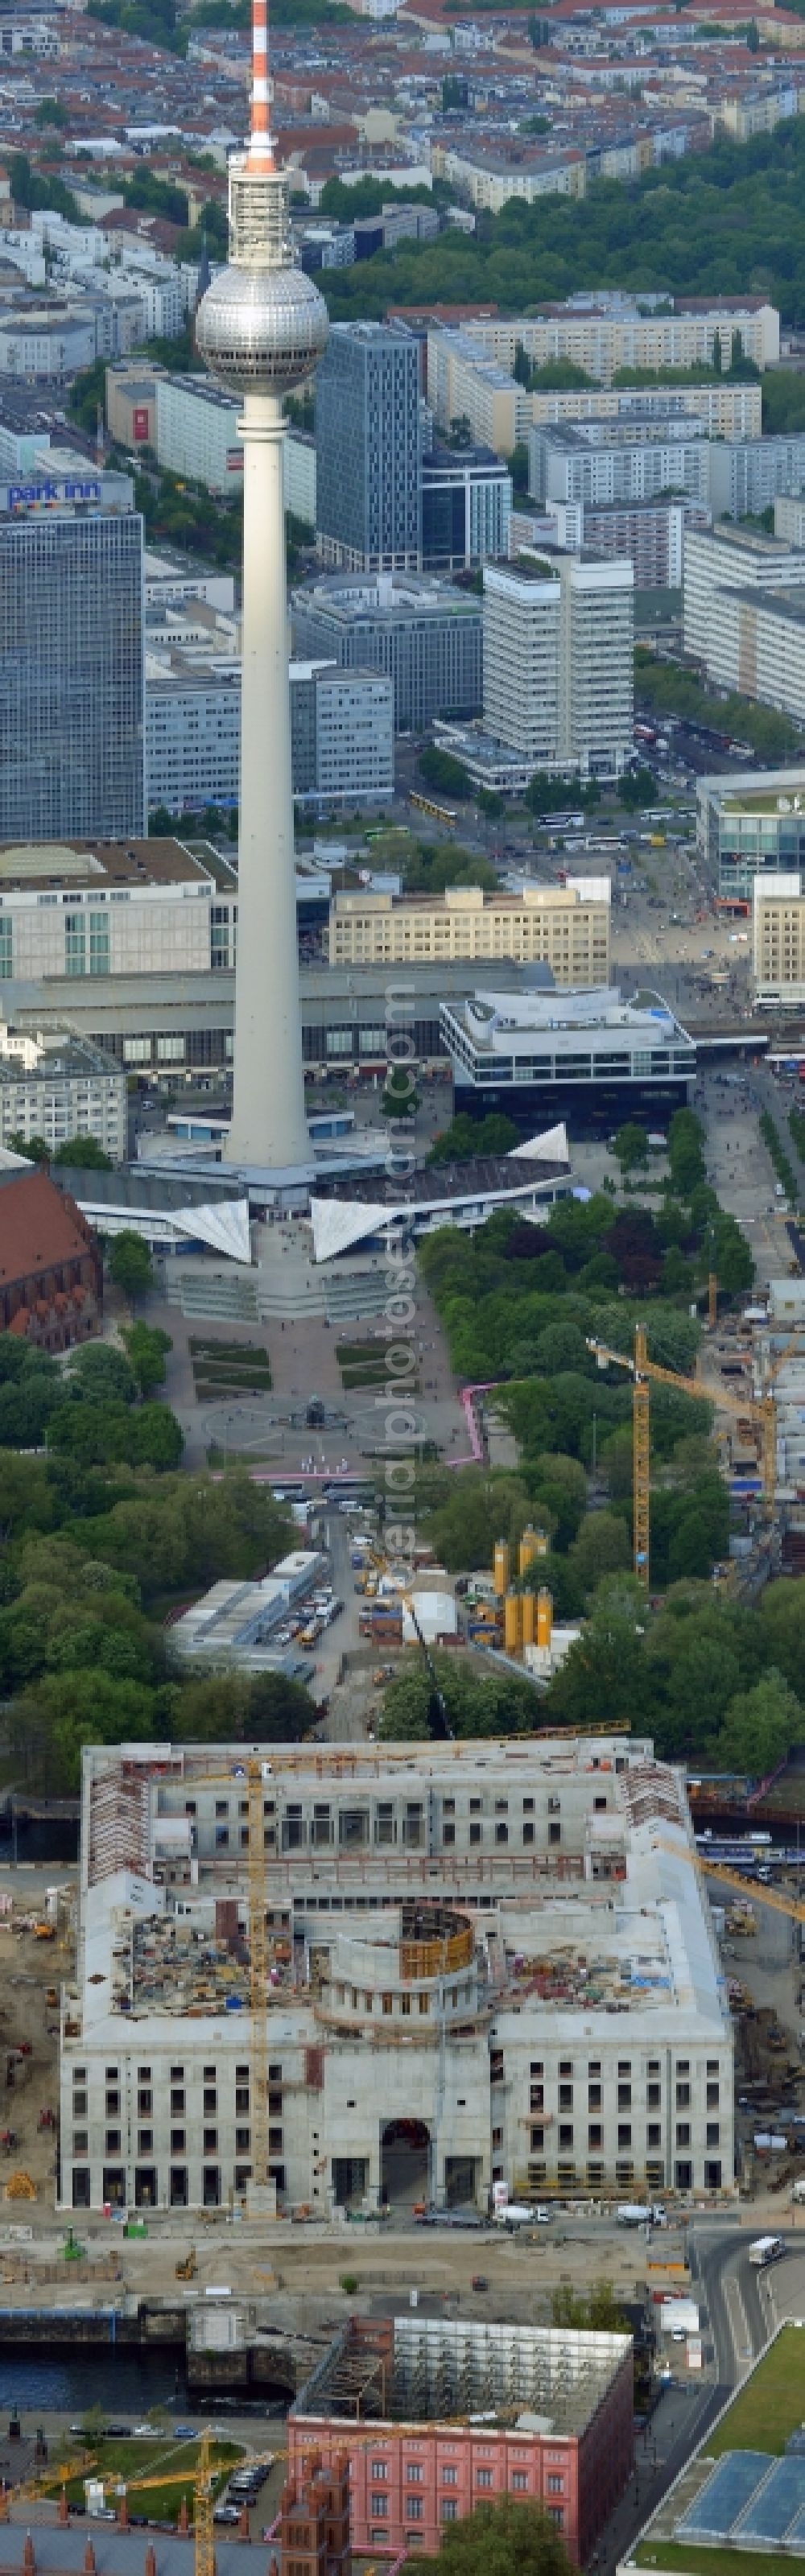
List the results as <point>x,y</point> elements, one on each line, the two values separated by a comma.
<point>759,1409</point>
<point>203,2508</point>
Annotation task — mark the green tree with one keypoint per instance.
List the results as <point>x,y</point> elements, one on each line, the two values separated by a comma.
<point>147,1350</point>
<point>476,1508</point>
<point>631,1146</point>
<point>604,1667</point>
<point>83,1153</point>
<point>400,1095</point>
<point>685,1152</point>
<point>34,189</point>
<point>25,1411</point>
<point>493,1704</point>
<point>33,1147</point>
<point>503,2539</point>
<point>637,787</point>
<point>781,1619</point>
<point>597,2312</point>
<point>466,1138</point>
<point>760,1727</point>
<point>51,111</point>
<point>602,1548</point>
<point>70,1709</point>
<point>158,1437</point>
<point>441,771</point>
<point>130,1264</point>
<point>101,1374</point>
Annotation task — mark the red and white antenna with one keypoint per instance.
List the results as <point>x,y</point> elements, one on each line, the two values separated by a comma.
<point>261,147</point>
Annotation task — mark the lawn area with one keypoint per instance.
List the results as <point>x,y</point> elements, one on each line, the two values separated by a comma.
<point>222,1368</point>
<point>770,2406</point>
<point>672,2554</point>
<point>171,2463</point>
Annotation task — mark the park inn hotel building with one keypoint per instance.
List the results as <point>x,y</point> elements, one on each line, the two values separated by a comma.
<point>487,1963</point>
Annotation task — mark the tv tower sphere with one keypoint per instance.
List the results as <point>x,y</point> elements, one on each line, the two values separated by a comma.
<point>261,327</point>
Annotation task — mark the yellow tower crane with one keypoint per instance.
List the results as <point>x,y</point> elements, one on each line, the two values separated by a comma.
<point>759,1409</point>
<point>203,2509</point>
<point>793,1906</point>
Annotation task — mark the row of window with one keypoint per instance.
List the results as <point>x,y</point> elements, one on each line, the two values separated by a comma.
<point>178,2142</point>
<point>413,2472</point>
<point>595,2135</point>
<point>624,2096</point>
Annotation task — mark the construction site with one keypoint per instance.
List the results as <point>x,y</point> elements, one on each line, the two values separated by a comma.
<point>269,1947</point>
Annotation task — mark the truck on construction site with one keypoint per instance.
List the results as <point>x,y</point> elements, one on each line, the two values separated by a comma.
<point>635,2213</point>
<point>517,2213</point>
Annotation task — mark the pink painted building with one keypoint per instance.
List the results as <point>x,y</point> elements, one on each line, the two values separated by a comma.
<point>440,2417</point>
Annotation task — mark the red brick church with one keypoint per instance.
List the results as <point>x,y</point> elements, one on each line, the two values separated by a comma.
<point>51,1272</point>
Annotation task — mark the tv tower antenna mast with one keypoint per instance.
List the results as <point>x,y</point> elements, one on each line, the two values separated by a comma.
<point>261,328</point>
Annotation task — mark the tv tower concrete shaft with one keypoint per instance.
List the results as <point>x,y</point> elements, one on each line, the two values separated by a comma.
<point>261,327</point>
<point>268,1108</point>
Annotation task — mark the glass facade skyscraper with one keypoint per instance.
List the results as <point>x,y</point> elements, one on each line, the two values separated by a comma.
<point>71,676</point>
<point>368,506</point>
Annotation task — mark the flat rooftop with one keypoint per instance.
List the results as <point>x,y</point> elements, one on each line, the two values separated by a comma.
<point>785,804</point>
<point>750,541</point>
<point>30,865</point>
<point>363,599</point>
<point>781,602</point>
<point>529,2379</point>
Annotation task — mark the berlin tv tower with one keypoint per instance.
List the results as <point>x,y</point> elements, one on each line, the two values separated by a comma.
<point>261,327</point>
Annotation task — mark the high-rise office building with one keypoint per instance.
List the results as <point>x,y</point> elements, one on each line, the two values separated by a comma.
<point>466,507</point>
<point>425,636</point>
<point>558,643</point>
<point>71,675</point>
<point>368,504</point>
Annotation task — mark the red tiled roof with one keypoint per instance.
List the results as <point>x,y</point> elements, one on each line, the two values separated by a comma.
<point>39,1226</point>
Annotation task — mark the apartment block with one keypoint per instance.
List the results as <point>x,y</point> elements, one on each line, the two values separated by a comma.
<point>488,177</point>
<point>603,331</point>
<point>197,436</point>
<point>58,1088</point>
<point>564,927</point>
<point>403,1908</point>
<point>756,644</point>
<point>558,644</point>
<point>582,462</point>
<point>745,475</point>
<point>726,410</point>
<point>196,432</point>
<point>725,558</point>
<point>789,519</point>
<point>778,949</point>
